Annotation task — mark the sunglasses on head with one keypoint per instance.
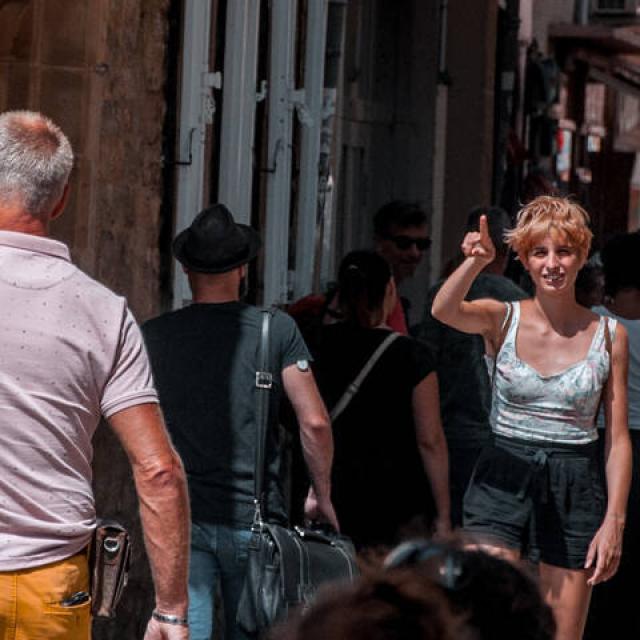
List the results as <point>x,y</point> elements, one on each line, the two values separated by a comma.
<point>404,242</point>
<point>444,564</point>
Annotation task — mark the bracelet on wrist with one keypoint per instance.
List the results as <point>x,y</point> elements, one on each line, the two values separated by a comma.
<point>168,618</point>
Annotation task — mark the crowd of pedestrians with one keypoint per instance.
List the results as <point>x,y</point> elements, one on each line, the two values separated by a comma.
<point>504,416</point>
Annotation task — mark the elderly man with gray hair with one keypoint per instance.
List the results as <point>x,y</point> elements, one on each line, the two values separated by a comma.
<point>71,354</point>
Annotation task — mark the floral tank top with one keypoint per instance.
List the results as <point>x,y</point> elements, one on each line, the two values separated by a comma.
<point>560,407</point>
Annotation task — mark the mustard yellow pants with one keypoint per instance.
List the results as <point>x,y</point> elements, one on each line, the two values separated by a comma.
<point>30,602</point>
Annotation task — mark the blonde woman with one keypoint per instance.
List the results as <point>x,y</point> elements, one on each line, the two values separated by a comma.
<point>536,488</point>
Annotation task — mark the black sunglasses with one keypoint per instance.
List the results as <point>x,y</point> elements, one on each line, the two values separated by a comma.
<point>445,564</point>
<point>404,242</point>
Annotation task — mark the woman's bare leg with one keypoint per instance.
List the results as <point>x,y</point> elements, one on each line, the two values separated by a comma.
<point>566,591</point>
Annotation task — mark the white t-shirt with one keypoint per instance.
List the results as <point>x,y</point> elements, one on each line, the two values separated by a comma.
<point>70,353</point>
<point>633,329</point>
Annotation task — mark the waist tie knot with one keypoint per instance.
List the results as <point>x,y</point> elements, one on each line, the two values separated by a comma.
<point>537,465</point>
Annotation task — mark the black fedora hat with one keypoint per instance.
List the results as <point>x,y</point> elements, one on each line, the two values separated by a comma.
<point>215,243</point>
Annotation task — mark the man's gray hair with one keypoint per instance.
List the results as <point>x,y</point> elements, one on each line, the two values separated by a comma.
<point>35,161</point>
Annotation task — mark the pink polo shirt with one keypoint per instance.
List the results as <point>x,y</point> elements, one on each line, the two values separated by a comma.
<point>70,352</point>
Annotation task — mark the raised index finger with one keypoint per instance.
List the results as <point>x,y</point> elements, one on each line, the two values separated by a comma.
<point>485,238</point>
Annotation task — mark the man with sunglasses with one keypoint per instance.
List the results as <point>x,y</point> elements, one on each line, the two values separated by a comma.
<point>401,237</point>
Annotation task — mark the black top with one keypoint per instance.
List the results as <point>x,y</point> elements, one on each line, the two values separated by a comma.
<point>465,390</point>
<point>204,361</point>
<point>378,479</point>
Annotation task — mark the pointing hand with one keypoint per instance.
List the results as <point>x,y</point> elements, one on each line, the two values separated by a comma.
<point>478,244</point>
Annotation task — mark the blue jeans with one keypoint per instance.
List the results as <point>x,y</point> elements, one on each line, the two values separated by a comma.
<point>218,552</point>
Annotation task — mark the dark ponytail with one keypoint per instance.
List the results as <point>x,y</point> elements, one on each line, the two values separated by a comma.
<point>362,280</point>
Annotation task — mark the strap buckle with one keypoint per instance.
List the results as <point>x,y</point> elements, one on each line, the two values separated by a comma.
<point>257,523</point>
<point>264,380</point>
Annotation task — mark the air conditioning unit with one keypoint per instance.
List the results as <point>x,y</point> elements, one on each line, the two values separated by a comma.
<point>615,7</point>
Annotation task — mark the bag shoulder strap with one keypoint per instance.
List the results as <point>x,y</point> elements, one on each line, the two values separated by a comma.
<point>354,387</point>
<point>264,384</point>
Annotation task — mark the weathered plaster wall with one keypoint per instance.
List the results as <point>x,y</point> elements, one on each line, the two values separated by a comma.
<point>97,68</point>
<point>126,220</point>
<point>128,188</point>
<point>471,50</point>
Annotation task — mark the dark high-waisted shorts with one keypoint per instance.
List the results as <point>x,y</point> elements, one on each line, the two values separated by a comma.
<point>544,499</point>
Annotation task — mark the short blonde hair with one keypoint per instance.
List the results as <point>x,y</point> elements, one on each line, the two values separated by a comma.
<point>546,213</point>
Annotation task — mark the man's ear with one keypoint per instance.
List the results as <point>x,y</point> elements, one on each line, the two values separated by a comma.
<point>62,203</point>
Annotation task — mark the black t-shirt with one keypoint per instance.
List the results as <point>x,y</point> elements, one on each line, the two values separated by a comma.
<point>378,479</point>
<point>204,361</point>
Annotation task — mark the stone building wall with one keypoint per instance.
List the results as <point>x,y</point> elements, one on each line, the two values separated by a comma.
<point>97,68</point>
<point>471,48</point>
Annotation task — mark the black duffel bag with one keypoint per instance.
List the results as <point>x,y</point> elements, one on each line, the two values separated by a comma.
<point>286,566</point>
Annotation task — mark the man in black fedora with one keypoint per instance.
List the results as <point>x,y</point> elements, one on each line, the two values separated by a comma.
<point>204,363</point>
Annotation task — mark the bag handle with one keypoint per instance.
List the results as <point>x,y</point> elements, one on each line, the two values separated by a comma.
<point>354,387</point>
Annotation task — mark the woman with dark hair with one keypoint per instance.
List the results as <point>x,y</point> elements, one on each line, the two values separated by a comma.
<point>389,443</point>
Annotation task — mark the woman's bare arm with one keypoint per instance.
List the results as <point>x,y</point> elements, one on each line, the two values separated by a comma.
<point>606,547</point>
<point>433,447</point>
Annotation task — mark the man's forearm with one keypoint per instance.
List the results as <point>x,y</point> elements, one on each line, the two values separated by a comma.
<point>164,512</point>
<point>317,447</point>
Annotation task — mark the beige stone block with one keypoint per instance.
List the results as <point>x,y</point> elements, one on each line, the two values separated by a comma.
<point>63,32</point>
<point>16,30</point>
<point>62,97</point>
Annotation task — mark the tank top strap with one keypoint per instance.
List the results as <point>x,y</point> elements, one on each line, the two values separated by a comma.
<point>514,321</point>
<point>604,338</point>
<point>601,341</point>
<point>612,324</point>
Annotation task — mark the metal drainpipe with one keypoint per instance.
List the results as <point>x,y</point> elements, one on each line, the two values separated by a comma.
<point>440,148</point>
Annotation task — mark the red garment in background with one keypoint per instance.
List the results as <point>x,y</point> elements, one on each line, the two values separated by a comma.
<point>397,320</point>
